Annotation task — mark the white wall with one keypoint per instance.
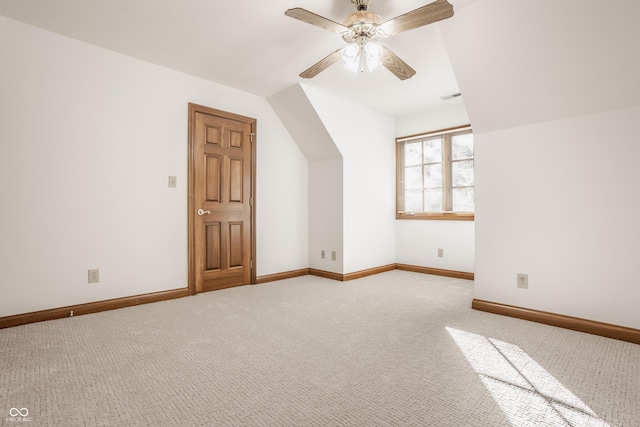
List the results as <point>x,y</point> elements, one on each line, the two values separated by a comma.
<point>326,215</point>
<point>559,202</point>
<point>325,207</point>
<point>452,113</point>
<point>418,241</point>
<point>552,93</point>
<point>87,140</point>
<point>282,209</point>
<point>365,139</point>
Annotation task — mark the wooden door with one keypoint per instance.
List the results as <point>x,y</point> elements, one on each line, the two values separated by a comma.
<point>221,219</point>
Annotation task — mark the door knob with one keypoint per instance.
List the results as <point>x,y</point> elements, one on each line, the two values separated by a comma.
<point>203,212</point>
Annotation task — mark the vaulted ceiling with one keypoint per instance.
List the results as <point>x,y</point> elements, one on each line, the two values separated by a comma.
<point>252,46</point>
<point>516,62</point>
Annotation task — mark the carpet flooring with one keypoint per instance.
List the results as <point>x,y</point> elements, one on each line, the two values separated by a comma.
<point>394,349</point>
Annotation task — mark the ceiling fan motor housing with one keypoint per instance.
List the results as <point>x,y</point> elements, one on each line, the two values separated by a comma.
<point>363,25</point>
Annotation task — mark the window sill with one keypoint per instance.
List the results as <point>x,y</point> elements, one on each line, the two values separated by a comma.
<point>447,216</point>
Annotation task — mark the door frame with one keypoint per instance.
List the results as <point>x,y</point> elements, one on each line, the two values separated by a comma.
<point>191,191</point>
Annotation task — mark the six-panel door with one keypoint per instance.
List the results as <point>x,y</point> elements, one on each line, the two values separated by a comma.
<point>222,196</point>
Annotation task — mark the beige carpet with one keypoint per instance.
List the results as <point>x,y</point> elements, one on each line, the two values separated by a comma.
<point>395,349</point>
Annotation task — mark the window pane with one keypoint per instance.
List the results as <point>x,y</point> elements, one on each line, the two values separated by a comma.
<point>462,173</point>
<point>412,153</point>
<point>462,146</point>
<point>433,200</point>
<point>433,150</point>
<point>437,173</point>
<point>463,199</point>
<point>413,177</point>
<point>433,176</point>
<point>413,201</point>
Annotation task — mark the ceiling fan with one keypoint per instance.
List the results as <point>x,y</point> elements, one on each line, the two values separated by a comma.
<point>363,28</point>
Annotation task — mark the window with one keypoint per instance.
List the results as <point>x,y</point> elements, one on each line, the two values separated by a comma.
<point>435,175</point>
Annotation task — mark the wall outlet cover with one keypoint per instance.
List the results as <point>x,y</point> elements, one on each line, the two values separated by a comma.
<point>94,275</point>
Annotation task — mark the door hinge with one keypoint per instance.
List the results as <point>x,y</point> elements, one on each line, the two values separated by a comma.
<point>250,201</point>
<point>252,135</point>
<point>251,264</point>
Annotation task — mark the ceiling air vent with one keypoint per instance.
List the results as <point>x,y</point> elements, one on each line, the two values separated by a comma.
<point>453,95</point>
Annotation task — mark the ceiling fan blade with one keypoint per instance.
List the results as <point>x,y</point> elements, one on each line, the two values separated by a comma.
<point>397,66</point>
<point>321,65</point>
<point>425,15</point>
<point>317,20</point>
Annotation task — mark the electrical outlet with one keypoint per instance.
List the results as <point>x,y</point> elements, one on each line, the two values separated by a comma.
<point>173,181</point>
<point>523,281</point>
<point>440,252</point>
<point>94,275</point>
<point>322,254</point>
<point>333,255</point>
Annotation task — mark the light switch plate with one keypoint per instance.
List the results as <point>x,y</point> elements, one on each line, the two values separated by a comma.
<point>523,281</point>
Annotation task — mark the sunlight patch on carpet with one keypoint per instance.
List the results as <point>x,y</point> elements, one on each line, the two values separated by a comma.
<point>524,390</point>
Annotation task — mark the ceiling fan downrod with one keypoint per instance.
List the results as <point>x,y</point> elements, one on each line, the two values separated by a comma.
<point>361,5</point>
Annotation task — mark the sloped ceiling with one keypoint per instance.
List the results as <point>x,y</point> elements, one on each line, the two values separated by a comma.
<point>523,62</point>
<point>299,116</point>
<point>251,45</point>
<point>516,62</point>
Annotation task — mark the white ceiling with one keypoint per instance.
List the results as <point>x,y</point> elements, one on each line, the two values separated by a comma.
<point>523,62</point>
<point>252,46</point>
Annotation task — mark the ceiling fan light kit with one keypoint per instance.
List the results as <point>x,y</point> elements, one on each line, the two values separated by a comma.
<point>356,56</point>
<point>363,28</point>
